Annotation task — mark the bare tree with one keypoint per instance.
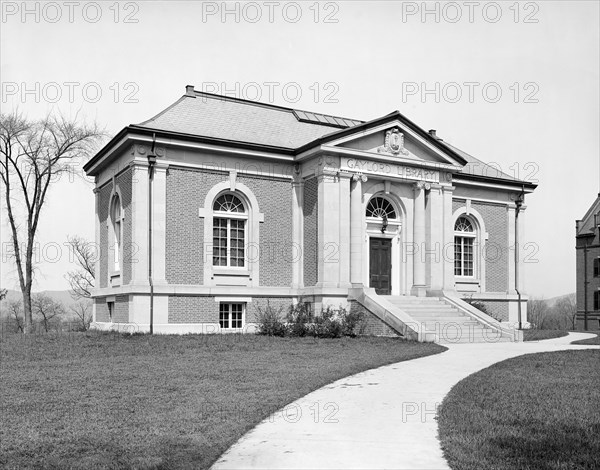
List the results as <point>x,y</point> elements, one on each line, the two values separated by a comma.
<point>566,307</point>
<point>81,280</point>
<point>32,155</point>
<point>15,312</point>
<point>47,308</point>
<point>83,313</point>
<point>537,312</point>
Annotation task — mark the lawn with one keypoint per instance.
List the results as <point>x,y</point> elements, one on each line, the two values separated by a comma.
<point>538,335</point>
<point>538,411</point>
<point>594,341</point>
<point>104,400</point>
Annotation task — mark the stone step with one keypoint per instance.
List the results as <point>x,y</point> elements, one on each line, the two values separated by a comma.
<point>424,307</point>
<point>415,300</point>
<point>456,322</point>
<point>439,313</point>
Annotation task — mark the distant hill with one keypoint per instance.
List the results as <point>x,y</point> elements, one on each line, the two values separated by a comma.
<point>62,296</point>
<point>551,302</point>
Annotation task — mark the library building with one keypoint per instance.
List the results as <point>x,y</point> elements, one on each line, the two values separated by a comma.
<point>217,207</point>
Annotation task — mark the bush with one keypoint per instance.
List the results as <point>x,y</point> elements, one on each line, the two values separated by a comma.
<point>270,321</point>
<point>301,321</point>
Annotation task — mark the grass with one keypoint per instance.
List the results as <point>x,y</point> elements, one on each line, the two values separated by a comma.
<point>104,400</point>
<point>537,411</point>
<point>538,335</point>
<point>594,341</point>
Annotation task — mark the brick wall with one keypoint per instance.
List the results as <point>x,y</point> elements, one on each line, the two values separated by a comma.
<point>593,282</point>
<point>186,191</point>
<point>103,208</point>
<point>121,311</point>
<point>311,195</point>
<point>124,183</point>
<point>275,244</point>
<point>191,309</point>
<point>101,310</point>
<point>373,325</point>
<point>129,251</point>
<point>196,309</point>
<point>496,309</point>
<point>496,250</point>
<point>276,303</point>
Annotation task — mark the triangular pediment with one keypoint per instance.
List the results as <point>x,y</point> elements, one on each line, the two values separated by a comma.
<point>396,140</point>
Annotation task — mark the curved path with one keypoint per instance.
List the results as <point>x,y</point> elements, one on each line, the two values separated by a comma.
<point>381,418</point>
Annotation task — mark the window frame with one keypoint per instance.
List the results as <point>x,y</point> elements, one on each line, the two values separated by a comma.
<point>462,236</point>
<point>116,236</point>
<point>596,300</point>
<point>596,264</point>
<point>229,315</point>
<point>229,216</point>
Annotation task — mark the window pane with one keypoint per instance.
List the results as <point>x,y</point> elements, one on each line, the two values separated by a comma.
<point>457,256</point>
<point>236,315</point>
<point>224,315</point>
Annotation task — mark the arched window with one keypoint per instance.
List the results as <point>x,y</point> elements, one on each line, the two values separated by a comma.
<point>378,207</point>
<point>116,214</point>
<point>464,238</point>
<point>229,231</point>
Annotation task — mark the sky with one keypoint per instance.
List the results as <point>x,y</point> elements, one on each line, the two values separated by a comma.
<point>512,83</point>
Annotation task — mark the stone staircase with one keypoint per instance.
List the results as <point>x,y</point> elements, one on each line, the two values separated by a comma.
<point>441,322</point>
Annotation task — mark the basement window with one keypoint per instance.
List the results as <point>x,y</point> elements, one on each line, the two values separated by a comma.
<point>231,316</point>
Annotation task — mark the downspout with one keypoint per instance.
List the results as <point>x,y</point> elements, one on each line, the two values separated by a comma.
<point>518,204</point>
<point>151,162</point>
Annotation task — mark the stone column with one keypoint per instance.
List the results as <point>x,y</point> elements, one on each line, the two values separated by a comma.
<point>328,247</point>
<point>448,248</point>
<point>435,238</point>
<point>356,231</point>
<point>139,223</point>
<point>344,223</point>
<point>297,233</point>
<point>419,286</point>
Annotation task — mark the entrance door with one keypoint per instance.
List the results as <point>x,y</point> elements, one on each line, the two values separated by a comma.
<point>380,260</point>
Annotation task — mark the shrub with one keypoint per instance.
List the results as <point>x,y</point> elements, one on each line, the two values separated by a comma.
<point>300,319</point>
<point>270,321</point>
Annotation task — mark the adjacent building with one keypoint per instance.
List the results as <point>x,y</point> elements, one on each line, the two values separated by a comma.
<point>587,246</point>
<point>218,205</point>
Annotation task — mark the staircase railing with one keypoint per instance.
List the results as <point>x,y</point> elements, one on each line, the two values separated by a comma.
<point>394,317</point>
<point>461,305</point>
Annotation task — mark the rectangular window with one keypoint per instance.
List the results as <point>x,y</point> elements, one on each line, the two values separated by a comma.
<point>597,300</point>
<point>231,315</point>
<point>596,267</point>
<point>229,237</point>
<point>111,309</point>
<point>463,256</point>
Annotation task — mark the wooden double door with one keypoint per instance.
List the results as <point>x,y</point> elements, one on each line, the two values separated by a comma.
<point>380,265</point>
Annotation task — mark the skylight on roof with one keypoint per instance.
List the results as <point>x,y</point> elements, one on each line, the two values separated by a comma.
<point>323,119</point>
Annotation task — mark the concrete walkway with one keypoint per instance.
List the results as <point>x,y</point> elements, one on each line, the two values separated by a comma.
<point>381,418</point>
